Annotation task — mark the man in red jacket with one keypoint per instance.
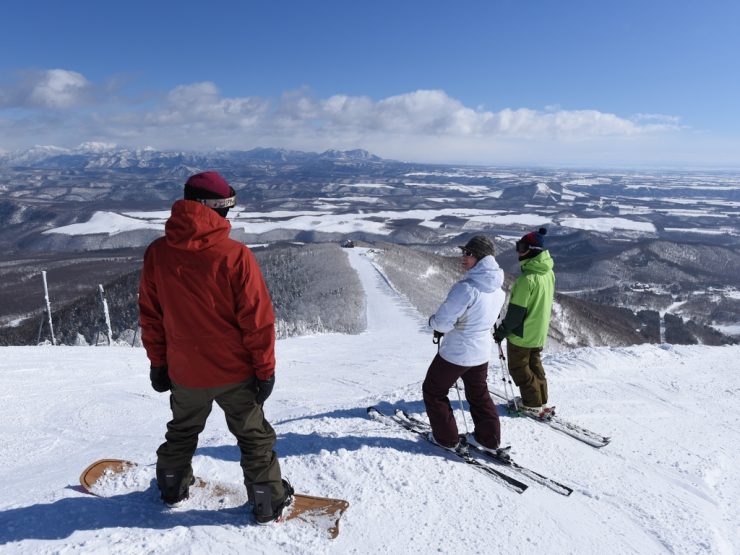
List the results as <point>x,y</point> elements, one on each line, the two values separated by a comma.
<point>207,324</point>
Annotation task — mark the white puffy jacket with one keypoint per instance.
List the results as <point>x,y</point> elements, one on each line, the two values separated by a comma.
<point>468,314</point>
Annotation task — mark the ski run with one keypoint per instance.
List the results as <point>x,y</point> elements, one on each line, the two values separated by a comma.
<point>668,481</point>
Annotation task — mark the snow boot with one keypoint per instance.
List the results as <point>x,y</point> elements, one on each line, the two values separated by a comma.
<point>461,447</point>
<point>454,448</point>
<point>543,412</point>
<point>174,484</point>
<point>264,513</point>
<point>498,452</point>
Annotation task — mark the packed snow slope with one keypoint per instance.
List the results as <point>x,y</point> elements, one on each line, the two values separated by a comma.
<point>668,483</point>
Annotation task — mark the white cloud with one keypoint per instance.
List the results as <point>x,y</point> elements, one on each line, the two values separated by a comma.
<point>433,112</point>
<point>52,88</point>
<point>424,112</point>
<point>201,103</point>
<point>660,118</point>
<point>658,122</point>
<point>62,107</point>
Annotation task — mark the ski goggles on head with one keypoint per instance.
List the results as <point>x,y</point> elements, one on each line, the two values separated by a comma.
<point>218,202</point>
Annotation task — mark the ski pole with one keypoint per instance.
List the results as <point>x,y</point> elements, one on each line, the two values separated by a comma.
<point>459,399</point>
<point>502,359</point>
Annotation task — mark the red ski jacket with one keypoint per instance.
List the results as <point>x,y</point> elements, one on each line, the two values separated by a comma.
<point>204,308</point>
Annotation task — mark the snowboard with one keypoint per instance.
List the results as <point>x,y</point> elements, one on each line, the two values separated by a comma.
<point>321,512</point>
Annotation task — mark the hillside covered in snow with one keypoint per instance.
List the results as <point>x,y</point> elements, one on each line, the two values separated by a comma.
<point>667,483</point>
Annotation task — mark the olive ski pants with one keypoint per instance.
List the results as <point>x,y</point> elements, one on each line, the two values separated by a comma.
<point>244,418</point>
<point>440,377</point>
<point>525,367</point>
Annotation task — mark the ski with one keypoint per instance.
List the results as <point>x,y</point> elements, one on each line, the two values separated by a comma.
<point>554,421</point>
<point>541,479</point>
<point>462,453</point>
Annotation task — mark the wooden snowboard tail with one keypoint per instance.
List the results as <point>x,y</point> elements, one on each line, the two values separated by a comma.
<point>96,470</point>
<point>322,512</point>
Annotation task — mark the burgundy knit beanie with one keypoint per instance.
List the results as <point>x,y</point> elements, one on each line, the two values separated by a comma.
<point>207,185</point>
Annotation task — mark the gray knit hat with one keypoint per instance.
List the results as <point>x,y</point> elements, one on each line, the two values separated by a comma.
<point>479,246</point>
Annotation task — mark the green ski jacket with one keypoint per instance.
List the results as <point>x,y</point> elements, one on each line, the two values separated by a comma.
<point>528,316</point>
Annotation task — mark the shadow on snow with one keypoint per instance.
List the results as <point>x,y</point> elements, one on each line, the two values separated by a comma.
<point>143,509</point>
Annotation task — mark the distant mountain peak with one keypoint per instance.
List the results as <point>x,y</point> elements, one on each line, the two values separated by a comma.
<point>101,155</point>
<point>355,154</point>
<point>95,147</point>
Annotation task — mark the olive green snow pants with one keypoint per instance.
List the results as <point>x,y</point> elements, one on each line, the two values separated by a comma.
<point>244,418</point>
<point>525,367</point>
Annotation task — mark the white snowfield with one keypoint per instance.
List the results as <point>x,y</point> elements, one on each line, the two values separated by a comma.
<point>669,482</point>
<point>113,223</point>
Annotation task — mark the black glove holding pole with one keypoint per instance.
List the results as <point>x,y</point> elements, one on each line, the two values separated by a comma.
<point>499,333</point>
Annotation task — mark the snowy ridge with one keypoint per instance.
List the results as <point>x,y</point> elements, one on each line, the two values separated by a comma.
<point>668,483</point>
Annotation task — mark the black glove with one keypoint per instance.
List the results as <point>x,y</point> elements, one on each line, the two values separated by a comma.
<point>437,336</point>
<point>264,388</point>
<point>499,334</point>
<point>160,378</point>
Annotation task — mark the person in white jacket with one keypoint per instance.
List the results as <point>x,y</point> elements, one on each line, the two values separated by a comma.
<point>466,319</point>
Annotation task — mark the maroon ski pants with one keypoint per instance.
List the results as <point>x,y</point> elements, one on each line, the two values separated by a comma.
<point>440,378</point>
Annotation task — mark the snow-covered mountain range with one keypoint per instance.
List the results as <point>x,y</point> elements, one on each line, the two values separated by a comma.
<point>96,156</point>
<point>656,241</point>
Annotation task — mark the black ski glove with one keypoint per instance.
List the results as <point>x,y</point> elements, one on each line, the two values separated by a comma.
<point>160,378</point>
<point>499,333</point>
<point>437,336</point>
<point>264,388</point>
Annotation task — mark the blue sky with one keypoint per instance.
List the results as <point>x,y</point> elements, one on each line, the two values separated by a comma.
<point>623,83</point>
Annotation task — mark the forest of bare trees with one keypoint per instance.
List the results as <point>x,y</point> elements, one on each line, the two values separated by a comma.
<point>313,288</point>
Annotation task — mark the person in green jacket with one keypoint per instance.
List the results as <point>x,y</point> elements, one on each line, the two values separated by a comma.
<point>528,319</point>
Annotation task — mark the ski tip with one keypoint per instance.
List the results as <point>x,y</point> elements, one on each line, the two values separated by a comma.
<point>405,415</point>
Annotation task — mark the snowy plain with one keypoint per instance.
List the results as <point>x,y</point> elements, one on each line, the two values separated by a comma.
<point>668,483</point>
